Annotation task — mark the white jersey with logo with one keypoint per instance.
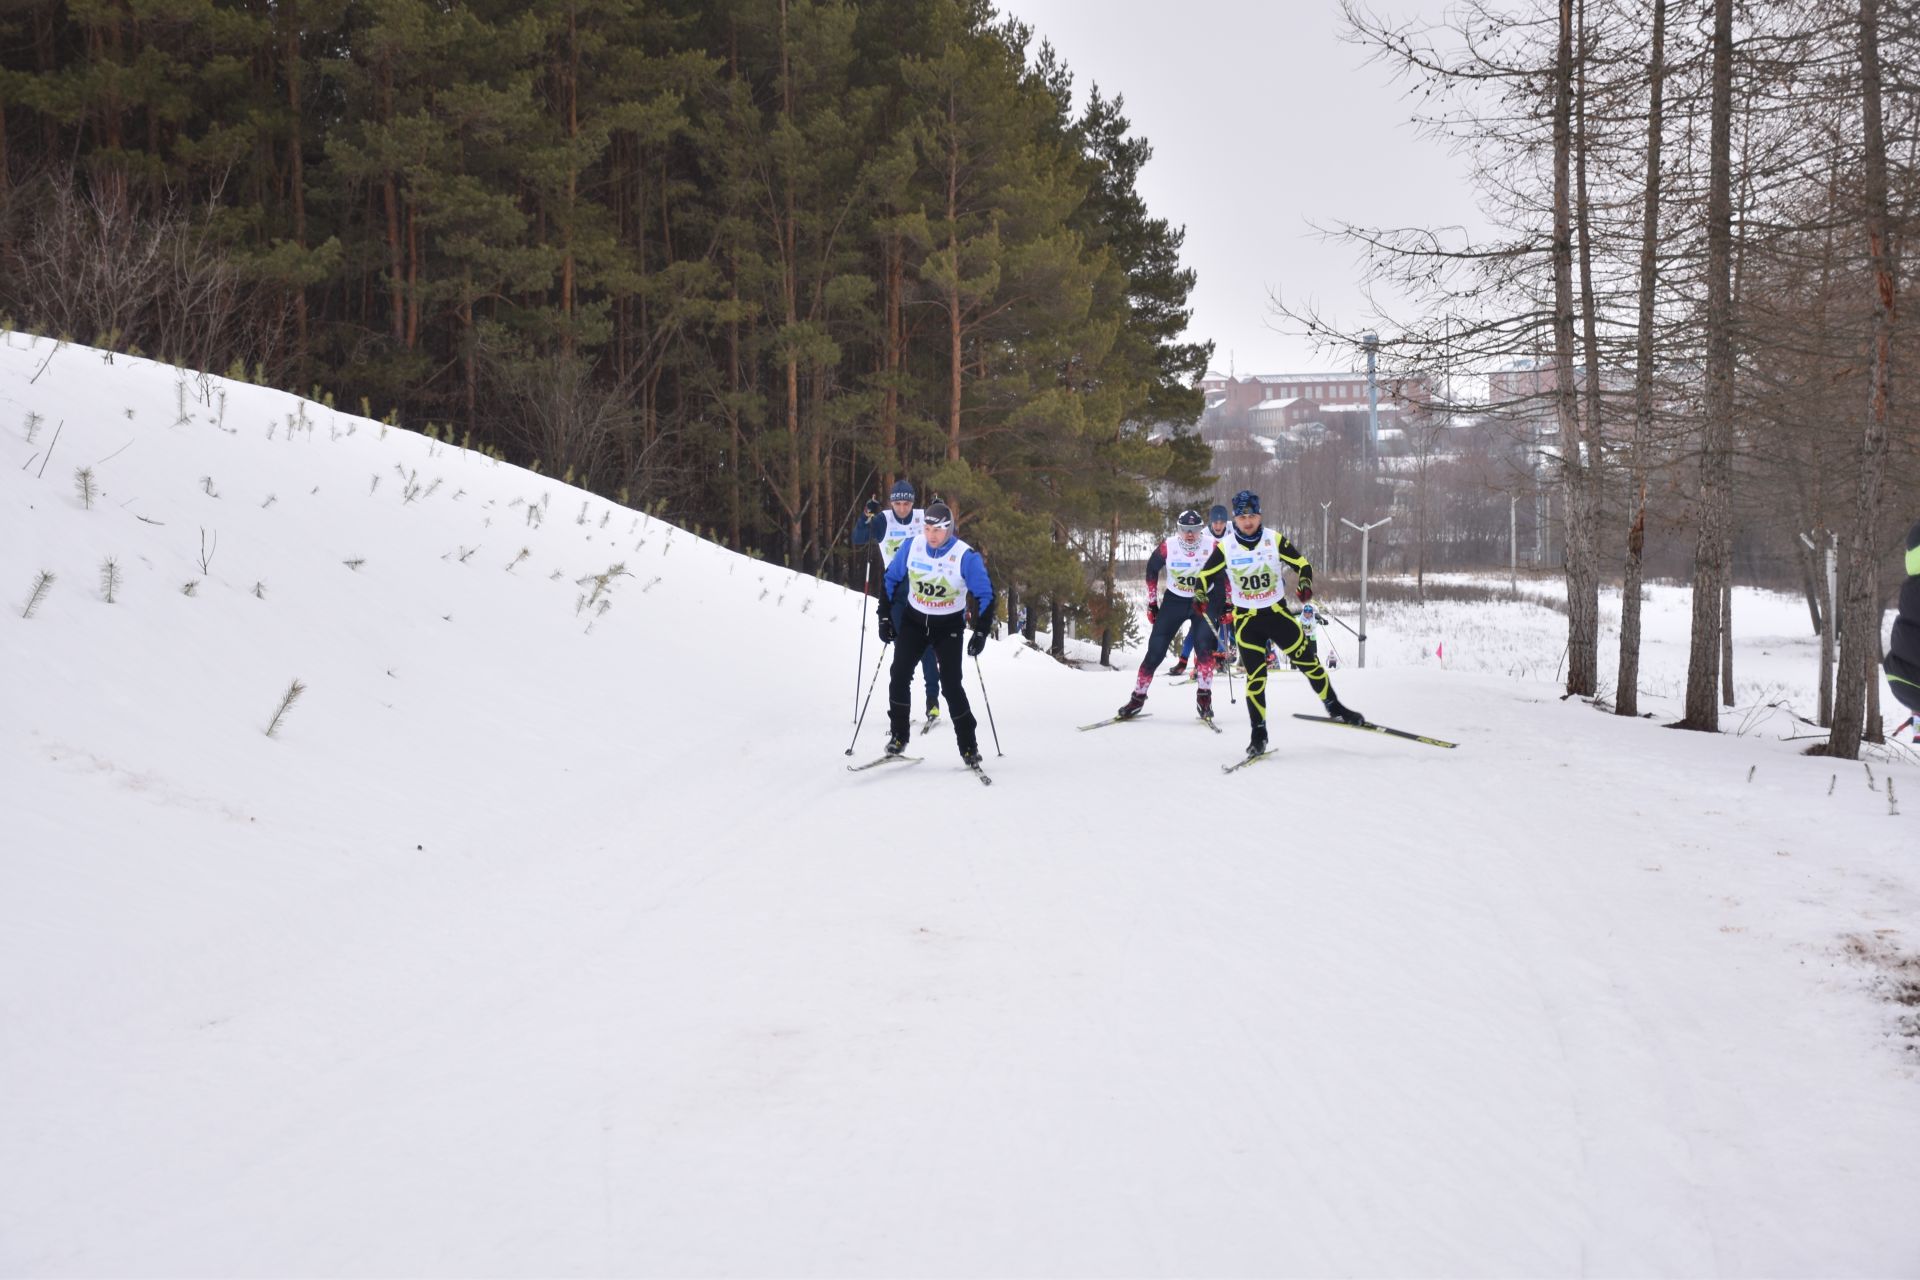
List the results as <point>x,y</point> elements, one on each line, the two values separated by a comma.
<point>934,584</point>
<point>898,531</point>
<point>1183,566</point>
<point>1253,573</point>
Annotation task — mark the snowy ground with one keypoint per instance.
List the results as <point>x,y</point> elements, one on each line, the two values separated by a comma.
<point>542,939</point>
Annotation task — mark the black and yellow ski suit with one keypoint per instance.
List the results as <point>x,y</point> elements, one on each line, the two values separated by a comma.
<point>1251,568</point>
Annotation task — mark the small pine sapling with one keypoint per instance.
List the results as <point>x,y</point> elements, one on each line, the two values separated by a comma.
<point>84,486</point>
<point>287,699</point>
<point>355,563</point>
<point>109,578</point>
<point>206,486</point>
<point>42,583</point>
<point>259,591</point>
<point>191,587</point>
<point>524,553</point>
<point>33,425</point>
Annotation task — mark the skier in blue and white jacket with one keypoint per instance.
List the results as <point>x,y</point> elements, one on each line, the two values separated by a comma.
<point>925,593</point>
<point>888,529</point>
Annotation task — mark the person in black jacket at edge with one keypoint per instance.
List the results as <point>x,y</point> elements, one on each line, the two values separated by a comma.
<point>1903,654</point>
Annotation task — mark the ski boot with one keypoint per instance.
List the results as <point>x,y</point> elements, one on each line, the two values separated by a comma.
<point>1132,709</point>
<point>1203,704</point>
<point>1338,710</point>
<point>896,745</point>
<point>1178,669</point>
<point>933,716</point>
<point>1258,745</point>
<point>970,757</point>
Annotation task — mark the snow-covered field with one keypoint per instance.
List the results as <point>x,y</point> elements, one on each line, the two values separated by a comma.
<point>548,938</point>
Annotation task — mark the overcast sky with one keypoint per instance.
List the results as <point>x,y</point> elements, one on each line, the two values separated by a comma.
<point>1262,119</point>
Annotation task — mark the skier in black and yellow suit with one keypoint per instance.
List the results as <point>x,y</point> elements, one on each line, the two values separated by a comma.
<point>1253,559</point>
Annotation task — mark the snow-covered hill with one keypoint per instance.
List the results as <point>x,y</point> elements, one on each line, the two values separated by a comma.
<point>547,935</point>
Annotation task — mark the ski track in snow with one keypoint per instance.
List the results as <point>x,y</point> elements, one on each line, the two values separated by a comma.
<point>541,941</point>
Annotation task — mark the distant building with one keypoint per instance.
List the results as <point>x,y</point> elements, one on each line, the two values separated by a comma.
<point>1275,406</point>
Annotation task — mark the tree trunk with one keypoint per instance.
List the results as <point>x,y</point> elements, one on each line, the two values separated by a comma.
<point>953,290</point>
<point>296,170</point>
<point>1107,587</point>
<point>1859,620</point>
<point>1581,571</point>
<point>1627,688</point>
<point>1716,464</point>
<point>389,191</point>
<point>893,279</point>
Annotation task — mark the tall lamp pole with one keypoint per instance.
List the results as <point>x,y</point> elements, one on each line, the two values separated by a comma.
<point>1366,534</point>
<point>1372,341</point>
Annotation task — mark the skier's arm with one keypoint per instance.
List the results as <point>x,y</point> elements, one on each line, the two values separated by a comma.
<point>1155,563</point>
<point>895,575</point>
<point>1213,577</point>
<point>973,570</point>
<point>871,528</point>
<point>1292,555</point>
<point>1213,583</point>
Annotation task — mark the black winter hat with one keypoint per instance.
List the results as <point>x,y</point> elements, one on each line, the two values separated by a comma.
<point>939,516</point>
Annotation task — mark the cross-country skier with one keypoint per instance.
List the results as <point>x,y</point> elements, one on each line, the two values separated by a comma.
<point>1252,560</point>
<point>925,592</point>
<point>1903,654</point>
<point>1222,656</point>
<point>1191,588</point>
<point>889,529</point>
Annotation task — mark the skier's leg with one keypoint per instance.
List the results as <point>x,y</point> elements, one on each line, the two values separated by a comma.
<point>1296,642</point>
<point>1174,612</point>
<point>1251,636</point>
<point>908,644</point>
<point>948,644</point>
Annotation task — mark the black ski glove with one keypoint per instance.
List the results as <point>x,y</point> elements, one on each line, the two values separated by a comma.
<point>977,645</point>
<point>886,629</point>
<point>873,507</point>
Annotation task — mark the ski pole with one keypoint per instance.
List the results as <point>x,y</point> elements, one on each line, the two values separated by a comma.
<point>863,706</point>
<point>1236,644</point>
<point>1322,613</point>
<point>981,676</point>
<point>861,661</point>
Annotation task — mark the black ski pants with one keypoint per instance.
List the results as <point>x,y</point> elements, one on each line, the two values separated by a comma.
<point>1253,631</point>
<point>945,636</point>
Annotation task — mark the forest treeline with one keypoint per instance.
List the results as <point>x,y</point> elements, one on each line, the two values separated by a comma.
<point>740,261</point>
<point>1702,214</point>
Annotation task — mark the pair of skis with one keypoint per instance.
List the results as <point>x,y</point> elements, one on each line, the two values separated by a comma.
<point>974,769</point>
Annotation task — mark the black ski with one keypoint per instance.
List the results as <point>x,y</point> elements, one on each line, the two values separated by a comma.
<point>928,726</point>
<point>1208,721</point>
<point>979,773</point>
<point>1114,720</point>
<point>1378,728</point>
<point>875,764</point>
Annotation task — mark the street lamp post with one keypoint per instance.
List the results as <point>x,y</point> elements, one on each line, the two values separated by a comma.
<point>1372,341</point>
<point>1366,534</point>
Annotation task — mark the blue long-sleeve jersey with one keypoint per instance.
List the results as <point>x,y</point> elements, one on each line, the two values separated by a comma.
<point>973,571</point>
